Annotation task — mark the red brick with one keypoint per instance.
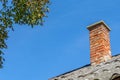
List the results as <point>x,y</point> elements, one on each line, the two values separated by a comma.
<point>100,50</point>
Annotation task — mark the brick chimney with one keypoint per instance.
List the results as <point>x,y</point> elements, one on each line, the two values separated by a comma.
<point>99,43</point>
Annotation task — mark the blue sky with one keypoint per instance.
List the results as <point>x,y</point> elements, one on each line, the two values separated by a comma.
<point>62,44</point>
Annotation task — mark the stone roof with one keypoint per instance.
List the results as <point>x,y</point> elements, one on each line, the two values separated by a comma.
<point>103,71</point>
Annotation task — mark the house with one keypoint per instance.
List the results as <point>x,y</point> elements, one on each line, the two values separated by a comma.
<point>103,65</point>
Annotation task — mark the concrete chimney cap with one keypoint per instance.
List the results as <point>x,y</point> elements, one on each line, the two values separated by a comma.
<point>100,22</point>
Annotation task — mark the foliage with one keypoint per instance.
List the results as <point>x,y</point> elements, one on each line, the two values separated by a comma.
<point>30,12</point>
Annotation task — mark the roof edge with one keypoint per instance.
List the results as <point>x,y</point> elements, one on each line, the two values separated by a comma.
<point>88,65</point>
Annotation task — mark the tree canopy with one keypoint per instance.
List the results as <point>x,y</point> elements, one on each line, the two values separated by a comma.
<point>30,12</point>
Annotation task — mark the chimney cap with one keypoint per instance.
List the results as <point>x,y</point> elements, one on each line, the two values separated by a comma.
<point>97,23</point>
